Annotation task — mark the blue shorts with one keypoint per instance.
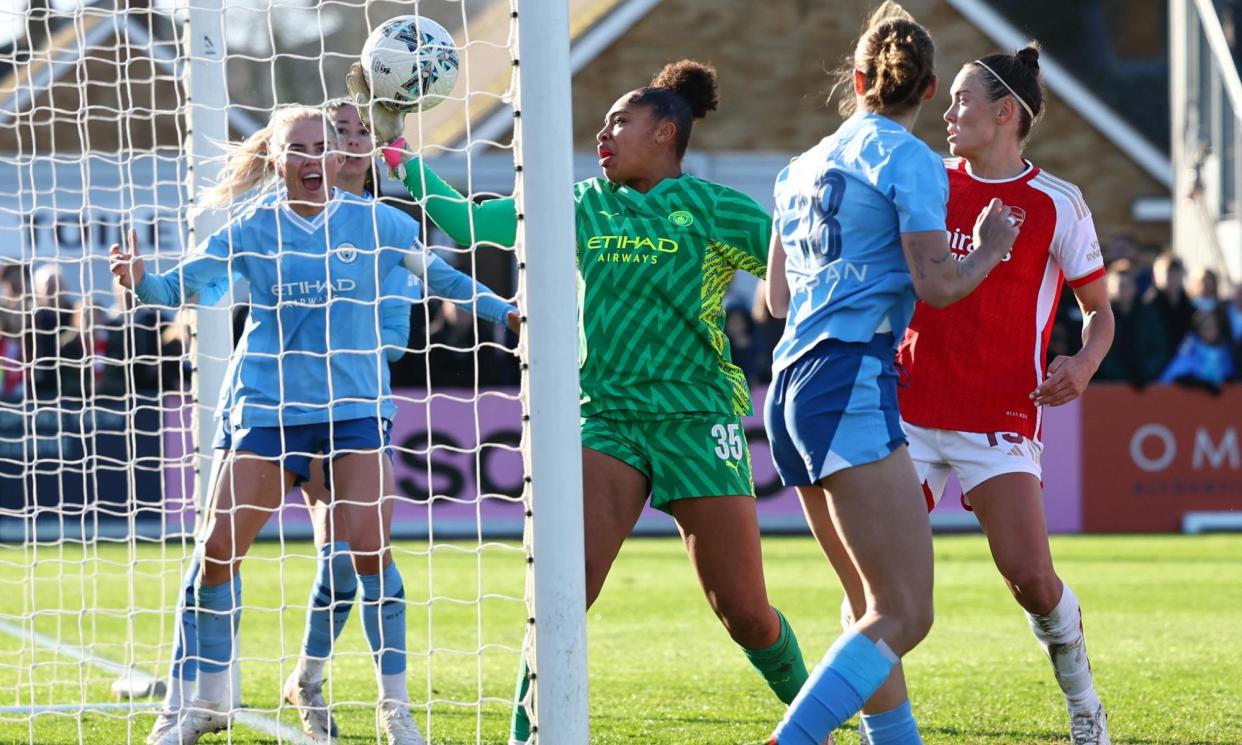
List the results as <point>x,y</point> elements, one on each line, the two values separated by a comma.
<point>303,442</point>
<point>833,408</point>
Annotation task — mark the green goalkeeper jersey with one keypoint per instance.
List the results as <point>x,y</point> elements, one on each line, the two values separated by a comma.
<point>654,268</point>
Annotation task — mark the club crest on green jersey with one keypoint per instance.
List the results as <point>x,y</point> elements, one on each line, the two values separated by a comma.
<point>681,218</point>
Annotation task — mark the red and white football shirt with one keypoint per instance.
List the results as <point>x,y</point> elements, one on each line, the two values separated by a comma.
<point>970,367</point>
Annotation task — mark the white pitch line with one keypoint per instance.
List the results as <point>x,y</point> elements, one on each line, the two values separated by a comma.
<point>40,708</point>
<point>250,718</point>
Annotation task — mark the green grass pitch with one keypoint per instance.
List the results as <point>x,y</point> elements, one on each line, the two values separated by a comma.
<point>1163,617</point>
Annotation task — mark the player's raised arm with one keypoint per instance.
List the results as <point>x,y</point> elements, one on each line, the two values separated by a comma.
<point>170,288</point>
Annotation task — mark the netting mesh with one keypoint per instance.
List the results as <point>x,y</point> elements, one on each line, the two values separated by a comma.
<point>100,395</point>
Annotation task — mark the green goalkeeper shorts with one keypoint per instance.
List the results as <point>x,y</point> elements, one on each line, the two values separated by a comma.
<point>697,455</point>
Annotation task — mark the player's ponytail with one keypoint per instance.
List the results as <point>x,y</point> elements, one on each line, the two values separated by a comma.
<point>897,59</point>
<point>252,162</point>
<point>683,91</point>
<point>1015,75</point>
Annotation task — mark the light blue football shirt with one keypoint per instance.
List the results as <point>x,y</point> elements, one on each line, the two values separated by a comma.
<point>841,208</point>
<point>311,351</point>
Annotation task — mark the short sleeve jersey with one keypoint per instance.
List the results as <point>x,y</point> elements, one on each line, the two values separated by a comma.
<point>970,367</point>
<point>653,270</point>
<point>311,351</point>
<point>841,208</point>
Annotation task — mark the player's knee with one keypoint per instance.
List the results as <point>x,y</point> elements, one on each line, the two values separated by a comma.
<point>919,622</point>
<point>219,556</point>
<point>907,620</point>
<point>1037,589</point>
<point>749,624</point>
<point>368,564</point>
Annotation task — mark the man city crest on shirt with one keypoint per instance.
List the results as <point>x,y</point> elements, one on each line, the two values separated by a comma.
<point>346,252</point>
<point>681,218</point>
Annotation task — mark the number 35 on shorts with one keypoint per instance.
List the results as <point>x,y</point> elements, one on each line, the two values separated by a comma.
<point>730,444</point>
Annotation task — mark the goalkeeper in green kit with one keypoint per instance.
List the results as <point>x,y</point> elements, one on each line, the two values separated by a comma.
<point>662,404</point>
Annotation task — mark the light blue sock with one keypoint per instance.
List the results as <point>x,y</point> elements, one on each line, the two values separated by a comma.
<point>893,727</point>
<point>185,640</point>
<point>383,618</point>
<point>219,612</point>
<point>332,597</point>
<point>852,670</point>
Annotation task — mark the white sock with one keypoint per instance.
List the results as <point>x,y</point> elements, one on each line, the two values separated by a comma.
<point>309,669</point>
<point>1060,633</point>
<point>175,695</point>
<point>213,689</point>
<point>392,688</point>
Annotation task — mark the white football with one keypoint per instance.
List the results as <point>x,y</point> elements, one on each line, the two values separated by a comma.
<point>411,63</point>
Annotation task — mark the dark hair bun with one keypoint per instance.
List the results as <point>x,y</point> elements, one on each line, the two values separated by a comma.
<point>693,81</point>
<point>1029,56</point>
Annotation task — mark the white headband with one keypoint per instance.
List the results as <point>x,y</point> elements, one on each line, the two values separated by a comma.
<point>1011,90</point>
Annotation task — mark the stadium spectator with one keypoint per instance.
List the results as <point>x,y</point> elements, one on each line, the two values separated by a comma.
<point>1066,338</point>
<point>1169,298</point>
<point>740,328</point>
<point>1204,359</point>
<point>450,352</point>
<point>1205,289</point>
<point>1120,246</point>
<point>1205,293</point>
<point>1234,313</point>
<point>12,341</point>
<point>1124,246</point>
<point>767,332</point>
<point>56,349</point>
<point>174,365</point>
<point>132,348</point>
<point>1140,343</point>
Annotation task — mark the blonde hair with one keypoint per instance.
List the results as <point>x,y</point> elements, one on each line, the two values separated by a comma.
<point>252,162</point>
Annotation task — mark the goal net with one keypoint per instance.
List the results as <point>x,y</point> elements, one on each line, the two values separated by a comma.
<point>114,115</point>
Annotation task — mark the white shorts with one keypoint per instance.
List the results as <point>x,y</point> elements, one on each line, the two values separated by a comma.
<point>975,457</point>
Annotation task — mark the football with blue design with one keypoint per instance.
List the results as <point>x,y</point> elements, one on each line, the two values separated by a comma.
<point>411,63</point>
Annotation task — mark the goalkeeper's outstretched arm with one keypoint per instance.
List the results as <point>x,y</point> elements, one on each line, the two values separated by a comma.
<point>492,221</point>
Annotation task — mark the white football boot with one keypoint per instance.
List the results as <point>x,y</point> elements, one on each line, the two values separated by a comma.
<point>1090,728</point>
<point>307,698</point>
<point>397,724</point>
<point>193,722</point>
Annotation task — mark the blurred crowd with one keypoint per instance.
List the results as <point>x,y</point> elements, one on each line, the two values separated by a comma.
<point>56,346</point>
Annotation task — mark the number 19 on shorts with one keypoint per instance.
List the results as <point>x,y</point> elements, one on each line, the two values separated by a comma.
<point>729,442</point>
